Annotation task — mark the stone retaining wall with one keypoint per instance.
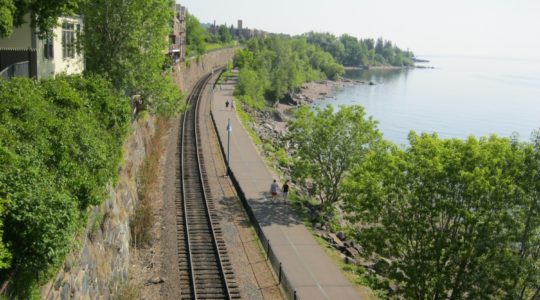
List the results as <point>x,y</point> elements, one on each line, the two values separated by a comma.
<point>102,263</point>
<point>187,73</point>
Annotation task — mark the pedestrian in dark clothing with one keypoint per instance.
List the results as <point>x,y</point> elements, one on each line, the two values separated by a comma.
<point>285,191</point>
<point>227,104</point>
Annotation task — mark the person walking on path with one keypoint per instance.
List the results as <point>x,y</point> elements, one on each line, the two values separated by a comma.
<point>285,191</point>
<point>274,190</point>
<point>227,104</point>
<point>232,104</point>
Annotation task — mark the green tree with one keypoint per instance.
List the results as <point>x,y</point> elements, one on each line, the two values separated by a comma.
<point>250,89</point>
<point>525,280</point>
<point>195,36</point>
<point>44,14</point>
<point>328,144</point>
<point>350,51</point>
<point>352,54</point>
<point>379,46</point>
<point>243,58</point>
<point>5,255</point>
<point>328,42</point>
<point>224,34</point>
<point>60,146</point>
<point>282,64</point>
<point>449,216</point>
<point>124,41</point>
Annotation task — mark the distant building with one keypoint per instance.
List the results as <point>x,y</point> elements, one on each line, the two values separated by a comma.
<point>177,38</point>
<point>25,54</point>
<point>245,33</point>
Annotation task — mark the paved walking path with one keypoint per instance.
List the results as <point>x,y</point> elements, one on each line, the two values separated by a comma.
<point>311,272</point>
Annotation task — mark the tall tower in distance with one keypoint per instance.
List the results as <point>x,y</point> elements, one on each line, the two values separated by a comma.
<point>239,25</point>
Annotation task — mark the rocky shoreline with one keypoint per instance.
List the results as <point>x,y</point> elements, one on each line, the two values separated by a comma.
<point>272,125</point>
<point>318,90</point>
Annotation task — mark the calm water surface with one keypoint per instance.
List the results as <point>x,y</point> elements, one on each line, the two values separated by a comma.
<point>460,97</point>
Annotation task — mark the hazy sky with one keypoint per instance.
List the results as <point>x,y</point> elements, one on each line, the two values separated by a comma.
<point>497,28</point>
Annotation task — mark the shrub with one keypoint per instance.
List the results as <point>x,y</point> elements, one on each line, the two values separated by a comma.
<point>60,145</point>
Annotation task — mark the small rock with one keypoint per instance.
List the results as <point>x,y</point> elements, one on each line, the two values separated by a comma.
<point>351,251</point>
<point>369,265</point>
<point>358,248</point>
<point>350,260</point>
<point>341,235</point>
<point>156,280</point>
<point>335,240</point>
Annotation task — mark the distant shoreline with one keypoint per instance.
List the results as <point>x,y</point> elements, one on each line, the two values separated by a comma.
<point>381,67</point>
<point>386,68</point>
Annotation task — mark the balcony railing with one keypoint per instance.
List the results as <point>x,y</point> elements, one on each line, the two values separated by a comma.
<point>20,69</point>
<point>18,62</point>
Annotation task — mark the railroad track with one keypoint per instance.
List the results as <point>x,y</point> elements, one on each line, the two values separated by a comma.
<point>205,269</point>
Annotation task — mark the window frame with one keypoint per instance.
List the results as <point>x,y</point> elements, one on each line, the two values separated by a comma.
<point>69,34</point>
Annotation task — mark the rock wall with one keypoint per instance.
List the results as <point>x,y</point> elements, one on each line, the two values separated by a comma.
<point>187,73</point>
<point>100,265</point>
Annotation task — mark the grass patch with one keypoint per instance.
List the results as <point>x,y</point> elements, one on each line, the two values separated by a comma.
<point>247,121</point>
<point>216,46</point>
<point>128,291</point>
<point>283,158</point>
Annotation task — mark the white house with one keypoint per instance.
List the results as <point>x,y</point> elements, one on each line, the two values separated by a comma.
<point>25,54</point>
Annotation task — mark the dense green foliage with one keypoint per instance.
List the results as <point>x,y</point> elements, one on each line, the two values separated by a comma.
<point>350,51</point>
<point>125,42</point>
<point>224,34</point>
<point>196,36</point>
<point>60,145</point>
<point>273,66</point>
<point>453,219</point>
<point>5,255</point>
<point>44,14</point>
<point>201,40</point>
<point>458,219</point>
<point>328,144</point>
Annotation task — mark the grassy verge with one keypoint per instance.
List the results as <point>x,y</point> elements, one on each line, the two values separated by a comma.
<point>128,291</point>
<point>143,219</point>
<point>247,121</point>
<point>216,46</point>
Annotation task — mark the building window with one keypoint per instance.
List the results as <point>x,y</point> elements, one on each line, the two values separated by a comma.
<point>78,39</point>
<point>68,40</point>
<point>48,52</point>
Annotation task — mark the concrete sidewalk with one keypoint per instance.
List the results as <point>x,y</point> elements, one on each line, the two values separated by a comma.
<point>310,271</point>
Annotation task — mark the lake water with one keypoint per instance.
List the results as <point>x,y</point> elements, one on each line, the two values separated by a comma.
<point>460,97</point>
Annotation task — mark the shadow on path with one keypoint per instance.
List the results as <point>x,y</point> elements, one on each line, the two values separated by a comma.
<point>268,213</point>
